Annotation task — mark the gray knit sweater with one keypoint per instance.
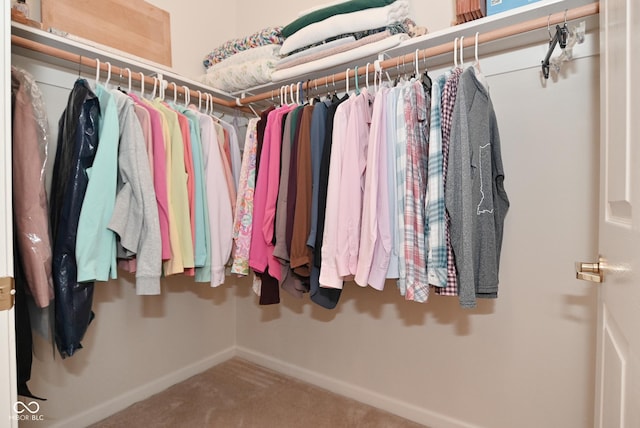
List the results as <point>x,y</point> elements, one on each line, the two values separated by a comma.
<point>475,197</point>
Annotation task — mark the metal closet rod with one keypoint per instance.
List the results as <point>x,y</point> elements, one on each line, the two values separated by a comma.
<point>489,36</point>
<point>115,70</point>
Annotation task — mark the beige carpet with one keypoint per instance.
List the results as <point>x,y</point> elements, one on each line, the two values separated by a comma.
<point>237,393</point>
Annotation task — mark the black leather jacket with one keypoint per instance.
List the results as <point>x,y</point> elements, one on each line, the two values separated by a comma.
<point>77,145</point>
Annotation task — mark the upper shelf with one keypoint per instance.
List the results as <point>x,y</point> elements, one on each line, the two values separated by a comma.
<point>522,15</point>
<point>89,49</point>
<point>516,16</point>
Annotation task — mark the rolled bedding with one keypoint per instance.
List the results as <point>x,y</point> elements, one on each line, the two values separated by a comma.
<point>245,69</point>
<point>264,37</point>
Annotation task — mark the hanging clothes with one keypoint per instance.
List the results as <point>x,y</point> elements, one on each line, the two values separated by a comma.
<point>31,239</point>
<point>96,243</point>
<point>77,145</point>
<point>135,215</point>
<point>475,196</point>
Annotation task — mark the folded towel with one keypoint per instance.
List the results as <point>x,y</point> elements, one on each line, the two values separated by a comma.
<point>338,59</point>
<point>319,48</point>
<point>333,50</point>
<point>346,23</point>
<point>332,10</point>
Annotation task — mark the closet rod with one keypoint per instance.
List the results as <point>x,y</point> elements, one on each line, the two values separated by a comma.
<point>500,33</point>
<point>115,70</point>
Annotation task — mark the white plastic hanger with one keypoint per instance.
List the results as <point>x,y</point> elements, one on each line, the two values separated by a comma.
<point>106,84</point>
<point>366,74</point>
<point>187,96</point>
<point>199,100</point>
<point>455,53</point>
<point>129,81</point>
<point>97,70</point>
<point>141,85</point>
<point>417,63</point>
<point>462,52</point>
<point>155,85</point>
<point>175,92</point>
<point>347,79</point>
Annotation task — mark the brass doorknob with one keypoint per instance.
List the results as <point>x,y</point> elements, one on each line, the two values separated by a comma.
<point>589,271</point>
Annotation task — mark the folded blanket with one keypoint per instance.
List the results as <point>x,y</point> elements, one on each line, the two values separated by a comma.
<point>317,48</point>
<point>397,28</point>
<point>333,50</point>
<point>338,59</point>
<point>240,76</point>
<point>332,10</point>
<point>267,36</point>
<point>320,6</point>
<point>261,52</point>
<point>346,23</point>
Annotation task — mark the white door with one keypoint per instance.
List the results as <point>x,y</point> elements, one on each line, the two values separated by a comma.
<point>7,333</point>
<point>618,345</point>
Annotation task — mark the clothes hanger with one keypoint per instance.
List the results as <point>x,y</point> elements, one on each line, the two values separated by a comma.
<point>346,79</point>
<point>97,70</point>
<point>455,53</point>
<point>141,84</point>
<point>427,83</point>
<point>187,95</point>
<point>155,85</point>
<point>199,100</point>
<point>175,92</point>
<point>106,84</point>
<point>355,76</point>
<point>561,36</point>
<point>462,52</point>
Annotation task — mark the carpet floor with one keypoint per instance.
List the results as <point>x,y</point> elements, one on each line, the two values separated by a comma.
<point>238,393</point>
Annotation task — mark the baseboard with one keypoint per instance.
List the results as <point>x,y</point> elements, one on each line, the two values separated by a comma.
<point>389,404</point>
<point>123,401</point>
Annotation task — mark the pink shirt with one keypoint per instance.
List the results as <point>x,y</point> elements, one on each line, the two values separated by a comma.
<point>329,276</point>
<point>375,232</point>
<point>265,197</point>
<point>352,184</point>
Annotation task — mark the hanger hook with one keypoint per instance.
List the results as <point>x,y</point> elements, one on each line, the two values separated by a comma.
<point>175,92</point>
<point>346,78</point>
<point>108,73</point>
<point>97,70</point>
<point>455,52</point>
<point>155,84</point>
<point>565,16</point>
<point>79,66</point>
<point>355,76</point>
<point>141,84</point>
<point>367,75</point>
<point>199,99</point>
<point>476,47</point>
<point>417,63</point>
<point>462,51</point>
<point>129,78</point>
<point>187,95</point>
<point>549,27</point>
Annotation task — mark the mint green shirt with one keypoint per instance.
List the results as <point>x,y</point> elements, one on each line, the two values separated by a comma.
<point>95,243</point>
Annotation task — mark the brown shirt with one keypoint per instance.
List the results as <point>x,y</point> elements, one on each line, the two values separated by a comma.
<point>300,252</point>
